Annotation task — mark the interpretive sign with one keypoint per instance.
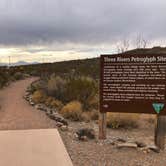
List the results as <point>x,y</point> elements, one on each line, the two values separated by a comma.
<point>133,83</point>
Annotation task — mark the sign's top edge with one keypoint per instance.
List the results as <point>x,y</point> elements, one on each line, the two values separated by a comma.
<point>146,54</point>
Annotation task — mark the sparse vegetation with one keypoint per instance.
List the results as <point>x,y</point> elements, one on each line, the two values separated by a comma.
<point>64,82</point>
<point>72,110</point>
<point>122,120</point>
<point>56,87</point>
<point>39,96</point>
<point>82,89</point>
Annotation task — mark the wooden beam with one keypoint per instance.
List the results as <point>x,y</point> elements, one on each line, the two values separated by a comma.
<point>160,131</point>
<point>102,125</point>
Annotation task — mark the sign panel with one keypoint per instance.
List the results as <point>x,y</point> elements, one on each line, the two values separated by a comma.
<point>133,83</point>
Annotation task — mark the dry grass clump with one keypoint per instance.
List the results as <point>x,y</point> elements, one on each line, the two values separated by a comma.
<point>56,87</point>
<point>94,114</point>
<point>39,96</point>
<point>53,103</point>
<point>122,120</point>
<point>94,102</point>
<point>72,111</point>
<point>87,116</point>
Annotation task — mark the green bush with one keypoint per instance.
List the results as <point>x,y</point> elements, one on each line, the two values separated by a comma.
<point>81,89</point>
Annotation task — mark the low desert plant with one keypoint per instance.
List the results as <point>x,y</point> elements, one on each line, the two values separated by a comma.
<point>53,103</point>
<point>18,76</point>
<point>86,116</point>
<point>72,111</point>
<point>81,89</point>
<point>39,96</point>
<point>94,114</point>
<point>37,85</point>
<point>56,104</point>
<point>94,102</point>
<point>122,120</point>
<point>56,87</point>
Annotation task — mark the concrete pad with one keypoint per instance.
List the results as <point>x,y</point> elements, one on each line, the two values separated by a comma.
<point>42,147</point>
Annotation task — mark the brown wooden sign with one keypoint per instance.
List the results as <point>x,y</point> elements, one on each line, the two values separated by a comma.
<point>133,83</point>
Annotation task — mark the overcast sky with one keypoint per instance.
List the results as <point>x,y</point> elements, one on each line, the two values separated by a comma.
<point>68,29</point>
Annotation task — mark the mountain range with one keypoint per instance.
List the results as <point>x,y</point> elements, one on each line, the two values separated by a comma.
<point>19,63</point>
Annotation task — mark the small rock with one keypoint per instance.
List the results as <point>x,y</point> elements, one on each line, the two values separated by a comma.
<point>121,140</point>
<point>127,145</point>
<point>42,107</point>
<point>49,112</point>
<point>57,117</point>
<point>75,136</point>
<point>27,94</point>
<point>140,144</point>
<point>145,151</point>
<point>32,103</point>
<point>59,124</point>
<point>84,138</point>
<point>64,128</point>
<point>89,133</point>
<point>153,148</point>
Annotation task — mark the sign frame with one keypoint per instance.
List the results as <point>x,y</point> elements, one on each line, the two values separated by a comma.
<point>160,126</point>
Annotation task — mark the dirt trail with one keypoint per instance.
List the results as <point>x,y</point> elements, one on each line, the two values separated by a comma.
<point>15,113</point>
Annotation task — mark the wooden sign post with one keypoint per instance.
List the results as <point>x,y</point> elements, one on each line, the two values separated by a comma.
<point>102,125</point>
<point>133,84</point>
<point>160,132</point>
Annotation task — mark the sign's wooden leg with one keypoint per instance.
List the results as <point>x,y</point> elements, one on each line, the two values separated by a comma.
<point>160,131</point>
<point>102,125</point>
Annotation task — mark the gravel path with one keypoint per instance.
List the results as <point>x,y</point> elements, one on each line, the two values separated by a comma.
<point>15,113</point>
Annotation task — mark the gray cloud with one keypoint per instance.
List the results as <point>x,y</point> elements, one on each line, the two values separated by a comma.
<point>43,22</point>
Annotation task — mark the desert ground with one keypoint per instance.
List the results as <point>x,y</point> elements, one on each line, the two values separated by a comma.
<point>16,113</point>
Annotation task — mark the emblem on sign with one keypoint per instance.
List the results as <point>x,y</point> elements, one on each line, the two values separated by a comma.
<point>158,107</point>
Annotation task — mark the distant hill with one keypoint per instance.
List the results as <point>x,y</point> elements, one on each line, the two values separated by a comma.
<point>154,50</point>
<point>88,67</point>
<point>19,63</point>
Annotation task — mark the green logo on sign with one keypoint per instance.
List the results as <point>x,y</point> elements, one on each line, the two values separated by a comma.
<point>158,107</point>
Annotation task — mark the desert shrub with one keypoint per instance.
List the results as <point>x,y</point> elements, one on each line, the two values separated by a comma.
<point>4,77</point>
<point>56,87</point>
<point>56,104</point>
<point>18,76</point>
<point>81,89</point>
<point>122,120</point>
<point>73,111</point>
<point>37,85</point>
<point>48,101</point>
<point>94,114</point>
<point>86,116</point>
<point>53,103</point>
<point>39,96</point>
<point>94,102</point>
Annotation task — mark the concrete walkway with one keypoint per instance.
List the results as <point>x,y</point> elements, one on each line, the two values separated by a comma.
<point>42,147</point>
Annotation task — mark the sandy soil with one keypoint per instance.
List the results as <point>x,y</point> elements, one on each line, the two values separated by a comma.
<point>97,153</point>
<point>15,113</point>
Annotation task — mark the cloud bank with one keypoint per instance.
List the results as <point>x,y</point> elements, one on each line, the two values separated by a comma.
<point>79,25</point>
